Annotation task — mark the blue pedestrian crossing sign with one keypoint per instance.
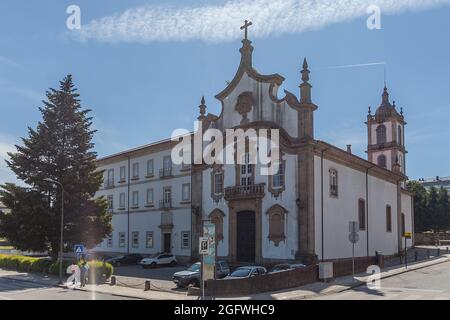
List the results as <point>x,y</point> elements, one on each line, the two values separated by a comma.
<point>79,249</point>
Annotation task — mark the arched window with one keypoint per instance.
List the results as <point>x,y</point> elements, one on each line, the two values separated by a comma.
<point>333,183</point>
<point>381,134</point>
<point>381,160</point>
<point>217,219</point>
<point>400,136</point>
<point>277,221</point>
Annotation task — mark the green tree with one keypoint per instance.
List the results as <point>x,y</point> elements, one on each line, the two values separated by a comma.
<point>61,149</point>
<point>420,206</point>
<point>432,217</point>
<point>443,209</point>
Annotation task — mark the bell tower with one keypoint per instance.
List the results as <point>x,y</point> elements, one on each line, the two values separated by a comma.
<point>386,136</point>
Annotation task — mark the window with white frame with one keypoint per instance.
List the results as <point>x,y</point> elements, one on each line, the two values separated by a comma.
<point>110,178</point>
<point>135,239</point>
<point>123,174</point>
<point>149,239</point>
<point>109,241</point>
<point>185,240</point>
<point>135,170</point>
<point>122,240</point>
<point>186,192</point>
<point>167,163</point>
<point>122,201</point>
<point>278,178</point>
<point>150,168</point>
<point>135,199</point>
<point>110,202</point>
<point>246,171</point>
<point>218,183</point>
<point>149,197</point>
<point>167,195</point>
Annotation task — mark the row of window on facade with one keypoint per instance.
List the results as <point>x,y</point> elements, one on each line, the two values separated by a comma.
<point>166,197</point>
<point>382,136</point>
<point>148,241</point>
<point>135,171</point>
<point>362,217</point>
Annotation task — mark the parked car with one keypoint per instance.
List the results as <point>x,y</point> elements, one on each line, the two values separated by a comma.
<point>127,259</point>
<point>246,272</point>
<point>191,276</point>
<point>286,266</point>
<point>158,259</point>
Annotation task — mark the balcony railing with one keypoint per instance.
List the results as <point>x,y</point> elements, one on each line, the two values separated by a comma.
<point>244,192</point>
<point>166,172</point>
<point>109,183</point>
<point>165,204</point>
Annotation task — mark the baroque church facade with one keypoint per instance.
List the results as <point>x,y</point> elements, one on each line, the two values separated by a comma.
<point>301,213</point>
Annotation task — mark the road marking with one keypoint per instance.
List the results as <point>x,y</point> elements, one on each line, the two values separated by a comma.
<point>411,289</point>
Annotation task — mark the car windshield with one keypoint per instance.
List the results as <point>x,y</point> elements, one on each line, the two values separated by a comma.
<point>241,272</point>
<point>194,268</point>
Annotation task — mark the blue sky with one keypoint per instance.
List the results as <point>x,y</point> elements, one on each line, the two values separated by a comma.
<point>138,70</point>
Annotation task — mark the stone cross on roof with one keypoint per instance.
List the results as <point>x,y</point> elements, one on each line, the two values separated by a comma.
<point>245,27</point>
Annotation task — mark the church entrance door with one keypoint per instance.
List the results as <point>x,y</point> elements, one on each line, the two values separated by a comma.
<point>246,236</point>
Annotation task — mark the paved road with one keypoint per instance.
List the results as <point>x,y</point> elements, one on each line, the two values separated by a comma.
<point>432,283</point>
<point>11,289</point>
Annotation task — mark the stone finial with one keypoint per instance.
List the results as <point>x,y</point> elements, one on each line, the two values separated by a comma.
<point>385,96</point>
<point>305,72</point>
<point>401,111</point>
<point>305,87</point>
<point>370,111</point>
<point>349,148</point>
<point>202,108</point>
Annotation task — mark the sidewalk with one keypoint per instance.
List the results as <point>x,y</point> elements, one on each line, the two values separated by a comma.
<point>342,283</point>
<point>308,291</point>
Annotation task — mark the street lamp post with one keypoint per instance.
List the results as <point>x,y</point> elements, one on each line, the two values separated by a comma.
<point>61,230</point>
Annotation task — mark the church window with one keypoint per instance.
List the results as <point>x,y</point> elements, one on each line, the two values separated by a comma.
<point>277,222</point>
<point>403,226</point>
<point>381,160</point>
<point>278,178</point>
<point>362,214</point>
<point>333,183</point>
<point>400,136</point>
<point>246,171</point>
<point>218,183</point>
<point>381,134</point>
<point>388,219</point>
<point>217,219</point>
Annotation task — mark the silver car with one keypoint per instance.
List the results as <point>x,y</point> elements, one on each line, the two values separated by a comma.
<point>246,272</point>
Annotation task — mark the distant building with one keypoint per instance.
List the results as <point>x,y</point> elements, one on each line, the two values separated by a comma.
<point>436,182</point>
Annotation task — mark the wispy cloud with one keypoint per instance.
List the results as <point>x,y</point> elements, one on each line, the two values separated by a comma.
<point>6,145</point>
<point>8,62</point>
<point>217,23</point>
<point>347,66</point>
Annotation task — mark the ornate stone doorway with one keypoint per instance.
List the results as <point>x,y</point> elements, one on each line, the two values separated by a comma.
<point>246,236</point>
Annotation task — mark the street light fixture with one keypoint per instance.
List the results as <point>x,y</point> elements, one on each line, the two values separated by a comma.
<point>62,228</point>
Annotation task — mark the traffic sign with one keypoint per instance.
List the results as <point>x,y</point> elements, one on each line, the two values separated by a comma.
<point>204,245</point>
<point>79,249</point>
<point>408,235</point>
<point>353,237</point>
<point>353,227</point>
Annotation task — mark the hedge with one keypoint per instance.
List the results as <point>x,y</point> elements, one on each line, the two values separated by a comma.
<point>45,265</point>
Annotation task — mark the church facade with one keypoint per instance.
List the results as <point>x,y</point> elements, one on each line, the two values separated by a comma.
<point>301,213</point>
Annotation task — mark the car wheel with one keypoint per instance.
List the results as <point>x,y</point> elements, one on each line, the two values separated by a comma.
<point>173,263</point>
<point>153,265</point>
<point>195,283</point>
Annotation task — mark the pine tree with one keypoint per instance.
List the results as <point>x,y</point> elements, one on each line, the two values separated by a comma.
<point>61,149</point>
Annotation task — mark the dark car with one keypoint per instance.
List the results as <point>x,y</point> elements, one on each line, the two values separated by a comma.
<point>286,266</point>
<point>246,272</point>
<point>191,276</point>
<point>127,259</point>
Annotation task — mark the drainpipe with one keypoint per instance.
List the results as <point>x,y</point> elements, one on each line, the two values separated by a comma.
<point>321,195</point>
<point>128,206</point>
<point>367,208</point>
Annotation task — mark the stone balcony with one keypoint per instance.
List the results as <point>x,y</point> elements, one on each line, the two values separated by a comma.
<point>245,192</point>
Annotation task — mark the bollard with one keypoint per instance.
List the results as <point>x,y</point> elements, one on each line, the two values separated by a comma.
<point>428,253</point>
<point>113,281</point>
<point>438,252</point>
<point>416,255</point>
<point>147,285</point>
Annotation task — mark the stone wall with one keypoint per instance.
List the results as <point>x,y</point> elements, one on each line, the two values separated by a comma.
<point>430,238</point>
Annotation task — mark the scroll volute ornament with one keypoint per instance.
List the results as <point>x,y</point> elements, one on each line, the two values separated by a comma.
<point>244,105</point>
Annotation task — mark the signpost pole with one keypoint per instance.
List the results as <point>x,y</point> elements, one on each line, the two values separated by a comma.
<point>406,255</point>
<point>353,260</point>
